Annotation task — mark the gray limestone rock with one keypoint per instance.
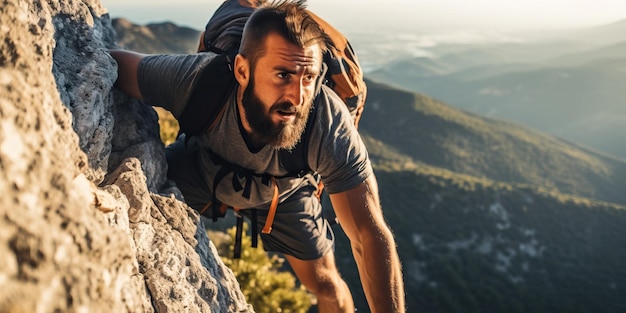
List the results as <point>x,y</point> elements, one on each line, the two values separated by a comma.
<point>84,226</point>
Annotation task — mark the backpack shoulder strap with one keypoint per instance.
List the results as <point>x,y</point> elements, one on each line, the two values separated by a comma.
<point>345,75</point>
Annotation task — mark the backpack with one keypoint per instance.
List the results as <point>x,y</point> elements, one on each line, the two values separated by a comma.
<point>222,36</point>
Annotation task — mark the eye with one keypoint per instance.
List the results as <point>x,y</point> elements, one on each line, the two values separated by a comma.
<point>283,75</point>
<point>310,78</point>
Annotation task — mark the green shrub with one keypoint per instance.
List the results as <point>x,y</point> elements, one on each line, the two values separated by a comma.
<point>168,126</point>
<point>266,287</point>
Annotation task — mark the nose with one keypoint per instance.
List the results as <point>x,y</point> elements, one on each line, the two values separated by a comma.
<point>296,92</point>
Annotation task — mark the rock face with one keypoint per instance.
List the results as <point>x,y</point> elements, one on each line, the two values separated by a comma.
<point>85,222</point>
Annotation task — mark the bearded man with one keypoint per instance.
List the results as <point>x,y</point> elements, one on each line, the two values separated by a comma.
<point>277,107</point>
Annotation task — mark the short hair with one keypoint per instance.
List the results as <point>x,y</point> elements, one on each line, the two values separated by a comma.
<point>287,18</point>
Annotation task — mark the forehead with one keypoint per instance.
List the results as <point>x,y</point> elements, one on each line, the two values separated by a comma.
<point>279,51</point>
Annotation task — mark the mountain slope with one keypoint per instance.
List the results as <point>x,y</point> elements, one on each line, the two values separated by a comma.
<point>473,245</point>
<point>432,133</point>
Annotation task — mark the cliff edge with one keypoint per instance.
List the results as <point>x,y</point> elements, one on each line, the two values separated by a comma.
<point>86,224</point>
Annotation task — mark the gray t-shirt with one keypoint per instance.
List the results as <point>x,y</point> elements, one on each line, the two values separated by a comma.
<point>335,150</point>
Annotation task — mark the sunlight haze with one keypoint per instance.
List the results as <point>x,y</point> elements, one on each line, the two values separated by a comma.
<point>417,15</point>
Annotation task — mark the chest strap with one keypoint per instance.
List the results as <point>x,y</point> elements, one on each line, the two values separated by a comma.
<point>219,209</point>
<point>272,211</point>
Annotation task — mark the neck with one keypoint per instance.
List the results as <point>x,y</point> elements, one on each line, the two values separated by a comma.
<point>242,112</point>
<point>244,126</point>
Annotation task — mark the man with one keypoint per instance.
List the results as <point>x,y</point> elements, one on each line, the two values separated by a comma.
<point>275,100</point>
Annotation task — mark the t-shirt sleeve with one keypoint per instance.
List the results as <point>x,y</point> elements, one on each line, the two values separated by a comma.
<point>168,80</point>
<point>336,150</point>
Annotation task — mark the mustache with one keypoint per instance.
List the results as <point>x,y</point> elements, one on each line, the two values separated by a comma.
<point>286,107</point>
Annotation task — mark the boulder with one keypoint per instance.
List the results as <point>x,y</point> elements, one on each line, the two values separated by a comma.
<point>88,221</point>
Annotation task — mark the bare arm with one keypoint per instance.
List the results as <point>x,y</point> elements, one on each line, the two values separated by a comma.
<point>373,246</point>
<point>127,64</point>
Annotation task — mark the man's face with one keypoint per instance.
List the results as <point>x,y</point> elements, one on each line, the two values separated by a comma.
<point>279,94</point>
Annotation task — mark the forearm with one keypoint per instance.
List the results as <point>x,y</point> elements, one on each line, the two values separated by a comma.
<point>127,65</point>
<point>380,271</point>
<point>373,246</point>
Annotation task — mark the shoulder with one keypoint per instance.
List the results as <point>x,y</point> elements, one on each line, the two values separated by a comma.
<point>327,99</point>
<point>331,121</point>
<point>330,110</point>
<point>335,149</point>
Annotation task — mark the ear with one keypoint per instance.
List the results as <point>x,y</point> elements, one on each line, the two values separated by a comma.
<point>242,70</point>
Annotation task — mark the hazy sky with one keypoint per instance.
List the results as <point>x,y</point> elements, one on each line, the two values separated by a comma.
<point>419,15</point>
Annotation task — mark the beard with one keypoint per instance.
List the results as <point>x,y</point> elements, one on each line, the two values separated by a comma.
<point>282,135</point>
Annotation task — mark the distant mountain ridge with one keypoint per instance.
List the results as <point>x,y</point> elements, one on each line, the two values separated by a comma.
<point>571,87</point>
<point>491,216</point>
<point>155,37</point>
<point>605,34</point>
